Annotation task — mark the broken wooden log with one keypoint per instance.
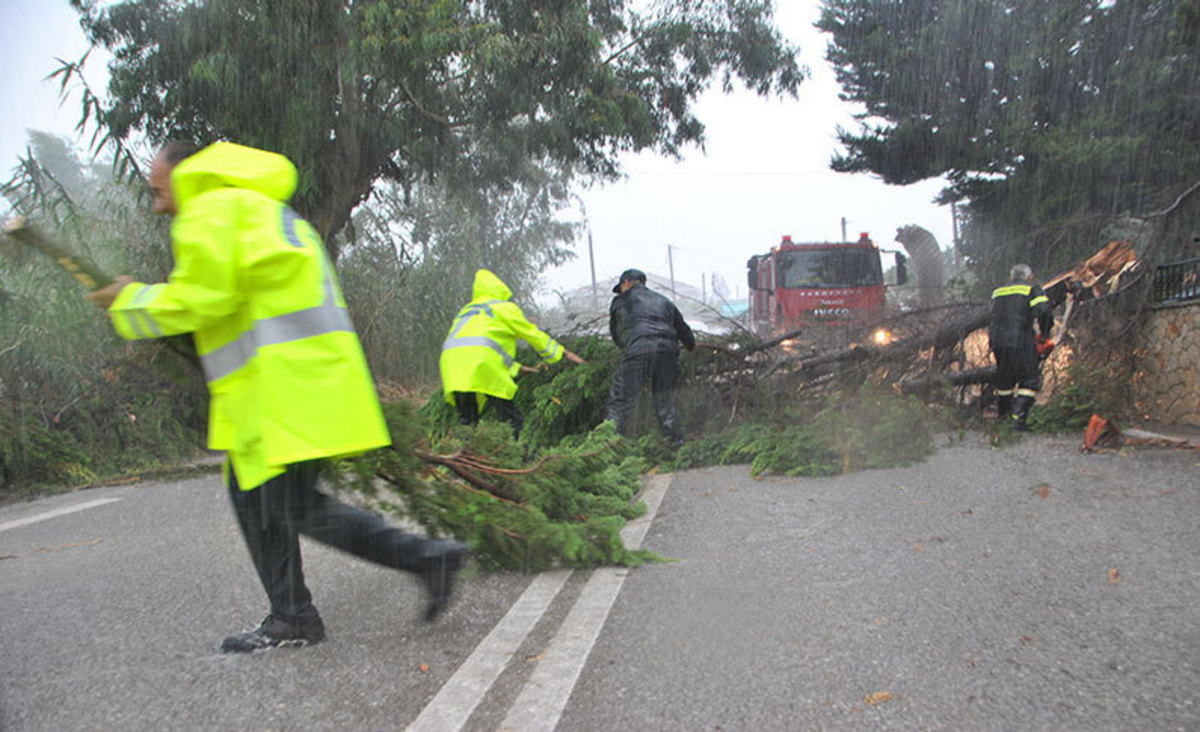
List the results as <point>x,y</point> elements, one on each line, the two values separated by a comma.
<point>942,330</point>
<point>925,385</point>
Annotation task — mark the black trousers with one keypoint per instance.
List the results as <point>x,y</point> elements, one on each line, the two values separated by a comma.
<point>273,515</point>
<point>661,369</point>
<point>467,404</point>
<point>1017,368</point>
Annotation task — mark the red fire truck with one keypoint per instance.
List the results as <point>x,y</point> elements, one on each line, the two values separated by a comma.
<point>830,283</point>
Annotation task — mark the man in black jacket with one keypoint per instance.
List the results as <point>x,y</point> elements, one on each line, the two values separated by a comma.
<point>1016,306</point>
<point>650,328</point>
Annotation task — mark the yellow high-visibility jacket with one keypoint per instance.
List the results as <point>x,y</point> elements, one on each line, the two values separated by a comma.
<point>252,282</point>
<point>479,353</point>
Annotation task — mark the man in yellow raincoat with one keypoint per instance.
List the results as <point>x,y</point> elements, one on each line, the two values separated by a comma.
<point>479,355</point>
<point>285,370</point>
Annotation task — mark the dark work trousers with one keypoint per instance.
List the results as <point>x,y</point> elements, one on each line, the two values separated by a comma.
<point>467,404</point>
<point>1017,368</point>
<point>273,516</point>
<point>661,369</point>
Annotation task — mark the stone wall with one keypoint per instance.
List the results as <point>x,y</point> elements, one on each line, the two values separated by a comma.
<point>1168,383</point>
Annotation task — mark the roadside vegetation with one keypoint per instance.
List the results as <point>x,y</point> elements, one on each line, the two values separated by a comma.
<point>434,143</point>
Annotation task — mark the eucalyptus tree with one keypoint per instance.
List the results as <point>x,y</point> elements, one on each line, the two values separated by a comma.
<point>1048,119</point>
<point>362,91</point>
<point>411,259</point>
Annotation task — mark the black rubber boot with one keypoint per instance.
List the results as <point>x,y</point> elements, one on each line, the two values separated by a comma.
<point>1020,413</point>
<point>1004,405</point>
<point>438,571</point>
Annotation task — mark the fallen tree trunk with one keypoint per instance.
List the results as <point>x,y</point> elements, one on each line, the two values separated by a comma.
<point>1100,272</point>
<point>948,334</point>
<point>928,383</point>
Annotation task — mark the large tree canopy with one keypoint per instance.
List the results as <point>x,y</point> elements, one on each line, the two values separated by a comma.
<point>355,91</point>
<point>1048,118</point>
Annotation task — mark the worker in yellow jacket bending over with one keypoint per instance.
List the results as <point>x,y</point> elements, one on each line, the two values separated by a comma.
<point>479,355</point>
<point>285,370</point>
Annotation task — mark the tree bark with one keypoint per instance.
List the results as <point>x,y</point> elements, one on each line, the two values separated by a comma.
<point>925,384</point>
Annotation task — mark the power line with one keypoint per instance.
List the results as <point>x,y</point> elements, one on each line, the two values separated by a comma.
<point>730,173</point>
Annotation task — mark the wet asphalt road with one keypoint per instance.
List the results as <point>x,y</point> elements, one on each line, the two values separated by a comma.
<point>1032,587</point>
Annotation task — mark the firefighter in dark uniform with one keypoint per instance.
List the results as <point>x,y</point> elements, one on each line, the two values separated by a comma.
<point>650,329</point>
<point>1016,308</point>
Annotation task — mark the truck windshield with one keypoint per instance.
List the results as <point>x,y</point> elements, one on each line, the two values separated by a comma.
<point>818,268</point>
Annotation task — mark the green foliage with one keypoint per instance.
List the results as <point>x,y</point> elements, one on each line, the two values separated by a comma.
<point>567,399</point>
<point>412,261</point>
<point>1049,119</point>
<point>778,431</point>
<point>78,404</point>
<point>584,476</point>
<point>868,430</point>
<point>130,418</point>
<point>558,400</point>
<point>87,405</point>
<point>876,429</point>
<point>1087,390</point>
<point>559,496</point>
<point>473,92</point>
<point>431,138</point>
<point>1068,410</point>
<point>786,450</point>
<point>566,508</point>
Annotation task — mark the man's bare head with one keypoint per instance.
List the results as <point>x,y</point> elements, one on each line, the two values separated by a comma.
<point>168,157</point>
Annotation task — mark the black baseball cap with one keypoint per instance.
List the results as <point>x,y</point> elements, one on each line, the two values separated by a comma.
<point>630,274</point>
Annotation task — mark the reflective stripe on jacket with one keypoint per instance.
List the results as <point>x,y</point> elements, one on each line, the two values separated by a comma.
<point>1015,309</point>
<point>251,280</point>
<point>479,353</point>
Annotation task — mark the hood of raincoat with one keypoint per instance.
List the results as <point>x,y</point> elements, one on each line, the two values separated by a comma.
<point>228,165</point>
<point>489,287</point>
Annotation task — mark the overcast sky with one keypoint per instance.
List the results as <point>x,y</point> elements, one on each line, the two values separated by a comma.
<point>33,33</point>
<point>764,171</point>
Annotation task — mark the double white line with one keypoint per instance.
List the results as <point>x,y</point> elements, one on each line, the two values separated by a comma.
<point>544,696</point>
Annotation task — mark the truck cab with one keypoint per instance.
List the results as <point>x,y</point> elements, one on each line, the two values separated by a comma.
<point>812,283</point>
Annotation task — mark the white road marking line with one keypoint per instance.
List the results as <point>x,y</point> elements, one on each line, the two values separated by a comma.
<point>459,696</point>
<point>56,513</point>
<point>541,702</point>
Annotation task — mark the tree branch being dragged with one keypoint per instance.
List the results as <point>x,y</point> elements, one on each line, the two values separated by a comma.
<point>565,509</point>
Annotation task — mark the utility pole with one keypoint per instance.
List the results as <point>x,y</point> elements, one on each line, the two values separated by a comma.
<point>671,266</point>
<point>587,224</point>
<point>703,289</point>
<point>591,259</point>
<point>954,229</point>
<point>843,228</point>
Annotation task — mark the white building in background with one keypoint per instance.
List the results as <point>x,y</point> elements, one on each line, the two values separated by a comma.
<point>583,310</point>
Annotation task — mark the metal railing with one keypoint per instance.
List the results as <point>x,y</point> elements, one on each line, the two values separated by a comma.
<point>1178,281</point>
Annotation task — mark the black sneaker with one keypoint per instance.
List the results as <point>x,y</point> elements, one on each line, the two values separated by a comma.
<point>273,632</point>
<point>438,572</point>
